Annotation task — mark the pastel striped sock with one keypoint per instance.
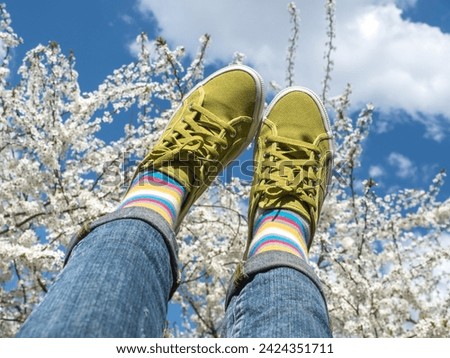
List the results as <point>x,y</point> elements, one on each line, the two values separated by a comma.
<point>156,191</point>
<point>280,230</point>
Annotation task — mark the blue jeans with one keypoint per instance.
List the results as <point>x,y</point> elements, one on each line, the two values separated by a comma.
<point>120,276</point>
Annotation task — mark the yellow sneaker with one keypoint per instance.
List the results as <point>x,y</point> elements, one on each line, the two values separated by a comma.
<point>293,158</point>
<point>216,120</point>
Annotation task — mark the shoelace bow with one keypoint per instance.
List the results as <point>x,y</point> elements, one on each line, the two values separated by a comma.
<point>199,140</point>
<point>283,174</point>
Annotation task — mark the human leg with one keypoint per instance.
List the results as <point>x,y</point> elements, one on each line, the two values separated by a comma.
<point>214,123</point>
<point>275,292</point>
<point>116,284</point>
<point>281,302</point>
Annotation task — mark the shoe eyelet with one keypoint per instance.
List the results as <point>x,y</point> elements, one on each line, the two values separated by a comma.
<point>233,134</point>
<point>224,146</point>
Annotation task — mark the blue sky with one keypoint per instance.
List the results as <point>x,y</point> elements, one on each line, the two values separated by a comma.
<point>393,52</point>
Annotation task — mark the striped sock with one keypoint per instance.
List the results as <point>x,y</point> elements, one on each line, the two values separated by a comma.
<point>156,191</point>
<point>280,230</point>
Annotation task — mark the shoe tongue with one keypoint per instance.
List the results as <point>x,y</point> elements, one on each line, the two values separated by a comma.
<point>293,124</point>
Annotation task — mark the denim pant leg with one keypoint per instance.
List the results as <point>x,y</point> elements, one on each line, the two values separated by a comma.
<point>276,296</point>
<point>117,283</point>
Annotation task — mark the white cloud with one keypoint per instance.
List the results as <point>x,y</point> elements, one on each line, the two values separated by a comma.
<point>258,28</point>
<point>376,171</point>
<point>390,61</point>
<point>395,63</point>
<point>401,3</point>
<point>126,19</point>
<point>405,168</point>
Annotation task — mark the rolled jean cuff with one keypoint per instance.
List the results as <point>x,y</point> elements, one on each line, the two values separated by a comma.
<point>266,261</point>
<point>148,216</point>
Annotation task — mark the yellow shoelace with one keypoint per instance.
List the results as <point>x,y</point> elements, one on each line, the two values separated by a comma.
<point>283,173</point>
<point>198,141</point>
